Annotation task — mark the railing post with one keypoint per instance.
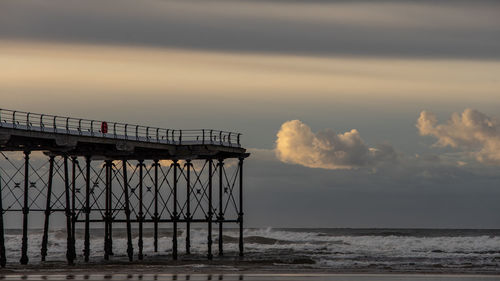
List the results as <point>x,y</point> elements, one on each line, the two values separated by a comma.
<point>41,123</point>
<point>28,121</point>
<point>67,125</point>
<point>92,127</point>
<point>203,140</point>
<point>14,119</point>
<point>137,132</point>
<point>55,124</point>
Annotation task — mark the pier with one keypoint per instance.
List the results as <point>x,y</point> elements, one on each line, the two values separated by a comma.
<point>99,174</point>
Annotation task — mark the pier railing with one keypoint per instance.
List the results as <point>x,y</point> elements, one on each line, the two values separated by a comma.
<point>86,127</point>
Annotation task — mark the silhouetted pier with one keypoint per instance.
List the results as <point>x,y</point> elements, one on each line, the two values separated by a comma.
<point>104,173</point>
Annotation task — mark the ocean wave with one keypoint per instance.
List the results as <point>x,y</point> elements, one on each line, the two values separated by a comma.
<point>307,247</point>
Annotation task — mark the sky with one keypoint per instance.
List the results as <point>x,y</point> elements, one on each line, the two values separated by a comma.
<point>357,113</point>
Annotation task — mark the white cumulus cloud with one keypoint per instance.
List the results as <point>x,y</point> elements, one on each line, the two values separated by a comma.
<point>297,144</point>
<point>471,131</point>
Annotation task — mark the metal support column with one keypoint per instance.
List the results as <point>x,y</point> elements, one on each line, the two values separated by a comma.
<point>130,249</point>
<point>188,206</point>
<point>69,243</point>
<point>140,214</point>
<point>240,214</point>
<point>174,214</point>
<point>73,205</point>
<point>3,258</point>
<point>221,214</point>
<point>110,226</point>
<point>155,218</point>
<point>106,212</point>
<point>24,248</point>
<point>86,251</point>
<point>48,210</point>
<point>210,214</point>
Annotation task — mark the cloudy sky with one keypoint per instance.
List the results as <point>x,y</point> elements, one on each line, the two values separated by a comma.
<point>357,113</point>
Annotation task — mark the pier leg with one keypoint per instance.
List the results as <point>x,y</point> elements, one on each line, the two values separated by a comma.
<point>210,214</point>
<point>188,206</point>
<point>106,214</point>
<point>156,207</point>
<point>69,243</point>
<point>174,214</point>
<point>221,214</point>
<point>110,226</point>
<point>130,249</point>
<point>86,250</point>
<point>140,218</point>
<point>24,248</point>
<point>3,258</point>
<point>73,206</point>
<point>48,210</point>
<point>240,214</point>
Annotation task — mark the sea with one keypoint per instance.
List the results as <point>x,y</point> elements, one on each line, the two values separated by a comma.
<point>279,254</point>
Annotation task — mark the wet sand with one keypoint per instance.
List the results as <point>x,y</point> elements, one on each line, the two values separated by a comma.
<point>219,270</point>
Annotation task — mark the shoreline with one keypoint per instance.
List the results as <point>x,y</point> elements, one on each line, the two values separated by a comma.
<point>223,269</point>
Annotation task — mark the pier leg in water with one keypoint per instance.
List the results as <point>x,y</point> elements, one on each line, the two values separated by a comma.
<point>156,164</point>
<point>73,206</point>
<point>240,215</point>
<point>140,214</point>
<point>210,214</point>
<point>188,206</point>
<point>86,250</point>
<point>24,248</point>
<point>221,214</point>
<point>3,258</point>
<point>110,226</point>
<point>106,213</point>
<point>48,210</point>
<point>174,214</point>
<point>69,245</point>
<point>130,248</point>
